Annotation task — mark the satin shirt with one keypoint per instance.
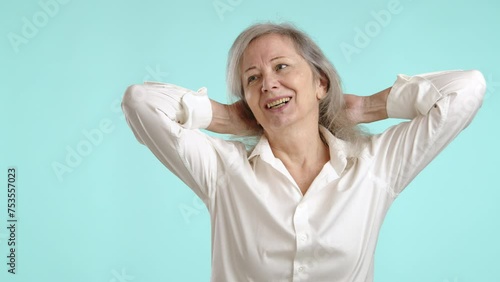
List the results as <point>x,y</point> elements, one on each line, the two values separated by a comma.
<point>262,227</point>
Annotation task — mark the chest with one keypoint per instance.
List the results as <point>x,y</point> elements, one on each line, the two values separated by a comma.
<point>303,177</point>
<point>274,230</point>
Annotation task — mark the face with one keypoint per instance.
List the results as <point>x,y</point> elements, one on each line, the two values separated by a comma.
<point>279,85</point>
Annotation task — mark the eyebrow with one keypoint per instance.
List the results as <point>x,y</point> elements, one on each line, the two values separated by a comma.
<point>253,67</point>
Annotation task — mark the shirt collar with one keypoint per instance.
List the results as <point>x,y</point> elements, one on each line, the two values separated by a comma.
<point>337,148</point>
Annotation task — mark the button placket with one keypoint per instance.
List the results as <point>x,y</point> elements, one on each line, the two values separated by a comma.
<point>301,224</point>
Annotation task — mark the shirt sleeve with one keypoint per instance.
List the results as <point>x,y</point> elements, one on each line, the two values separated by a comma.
<point>440,105</point>
<point>166,119</point>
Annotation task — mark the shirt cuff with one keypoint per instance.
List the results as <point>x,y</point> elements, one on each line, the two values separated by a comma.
<point>411,96</point>
<point>197,109</point>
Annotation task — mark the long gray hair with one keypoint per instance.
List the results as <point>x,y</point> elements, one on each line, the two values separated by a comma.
<point>332,114</point>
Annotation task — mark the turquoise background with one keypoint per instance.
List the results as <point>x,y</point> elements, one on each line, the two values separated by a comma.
<point>118,215</point>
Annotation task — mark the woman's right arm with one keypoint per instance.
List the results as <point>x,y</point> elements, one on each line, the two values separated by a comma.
<point>165,118</point>
<point>228,119</point>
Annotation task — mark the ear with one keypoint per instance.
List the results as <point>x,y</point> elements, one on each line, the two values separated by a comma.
<point>321,87</point>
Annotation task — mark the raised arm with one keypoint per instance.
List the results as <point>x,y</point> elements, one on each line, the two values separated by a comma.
<point>165,118</point>
<point>439,106</point>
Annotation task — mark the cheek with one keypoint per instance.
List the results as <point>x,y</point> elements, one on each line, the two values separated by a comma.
<point>248,98</point>
<point>251,98</point>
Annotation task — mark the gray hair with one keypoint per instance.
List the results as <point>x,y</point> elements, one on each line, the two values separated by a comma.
<point>332,114</point>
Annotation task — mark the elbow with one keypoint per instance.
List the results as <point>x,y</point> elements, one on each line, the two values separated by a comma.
<point>477,76</point>
<point>131,105</point>
<point>133,97</point>
<point>476,82</point>
<point>473,86</point>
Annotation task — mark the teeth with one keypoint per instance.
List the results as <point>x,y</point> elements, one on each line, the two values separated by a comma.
<point>278,102</point>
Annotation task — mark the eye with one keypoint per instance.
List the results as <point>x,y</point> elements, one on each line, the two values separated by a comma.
<point>251,78</point>
<point>281,66</point>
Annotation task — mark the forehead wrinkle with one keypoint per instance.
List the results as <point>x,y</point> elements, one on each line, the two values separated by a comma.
<point>273,59</point>
<point>268,48</point>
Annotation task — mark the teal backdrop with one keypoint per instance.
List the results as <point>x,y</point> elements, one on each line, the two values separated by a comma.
<point>93,205</point>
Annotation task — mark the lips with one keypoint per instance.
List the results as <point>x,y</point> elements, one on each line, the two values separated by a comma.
<point>278,103</point>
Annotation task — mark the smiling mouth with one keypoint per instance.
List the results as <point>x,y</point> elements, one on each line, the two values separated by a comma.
<point>278,103</point>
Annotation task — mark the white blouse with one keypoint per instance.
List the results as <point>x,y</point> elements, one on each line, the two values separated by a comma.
<point>263,228</point>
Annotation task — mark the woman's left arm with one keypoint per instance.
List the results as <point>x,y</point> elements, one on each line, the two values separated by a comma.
<point>366,109</point>
<point>440,105</point>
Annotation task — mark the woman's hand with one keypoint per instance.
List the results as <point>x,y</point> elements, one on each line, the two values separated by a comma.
<point>366,109</point>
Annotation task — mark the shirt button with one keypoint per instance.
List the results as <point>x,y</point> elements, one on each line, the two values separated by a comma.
<point>301,269</point>
<point>303,237</point>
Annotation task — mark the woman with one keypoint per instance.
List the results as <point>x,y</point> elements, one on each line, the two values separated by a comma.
<point>306,203</point>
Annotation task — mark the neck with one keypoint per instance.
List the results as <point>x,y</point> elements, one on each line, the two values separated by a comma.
<point>299,147</point>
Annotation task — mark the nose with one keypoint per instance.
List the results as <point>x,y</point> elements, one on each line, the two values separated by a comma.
<point>269,82</point>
